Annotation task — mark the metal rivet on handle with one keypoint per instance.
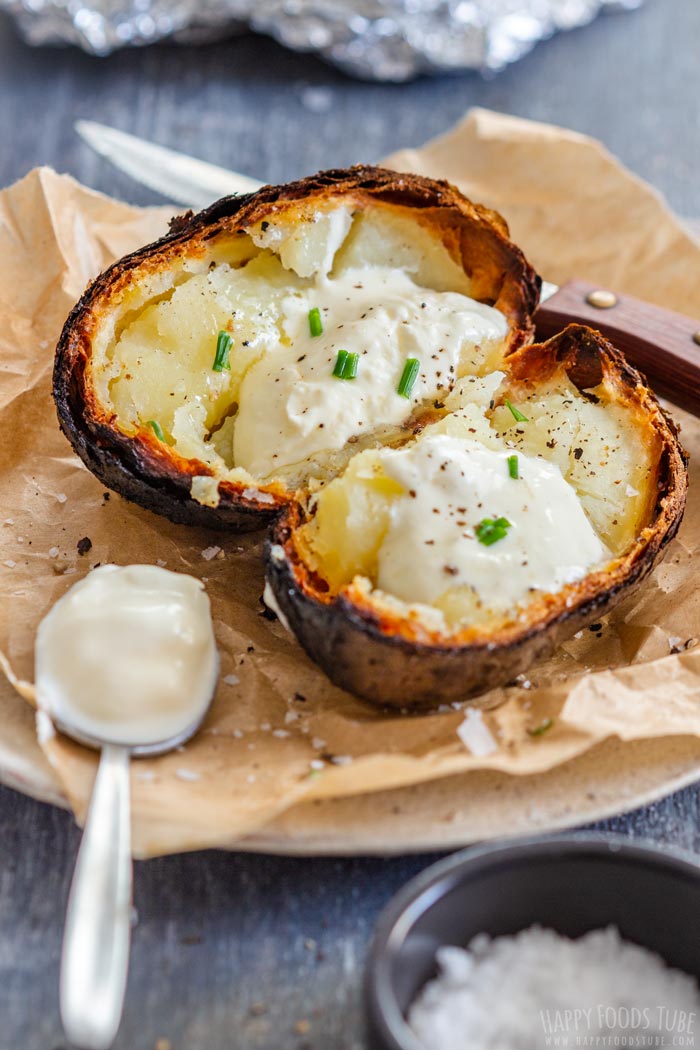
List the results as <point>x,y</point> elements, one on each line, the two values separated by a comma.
<point>696,337</point>
<point>601,299</point>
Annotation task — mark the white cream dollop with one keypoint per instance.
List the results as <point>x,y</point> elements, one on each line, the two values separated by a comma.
<point>128,655</point>
<point>293,407</point>
<point>451,485</point>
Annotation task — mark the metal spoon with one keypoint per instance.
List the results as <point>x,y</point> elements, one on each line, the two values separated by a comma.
<point>125,662</point>
<point>95,957</point>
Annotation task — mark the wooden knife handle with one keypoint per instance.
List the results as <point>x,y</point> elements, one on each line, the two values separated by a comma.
<point>663,345</point>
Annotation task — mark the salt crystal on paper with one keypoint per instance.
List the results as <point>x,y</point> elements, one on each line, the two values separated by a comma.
<point>341,760</point>
<point>281,733</point>
<point>316,763</point>
<point>317,743</point>
<point>61,497</point>
<point>186,774</point>
<point>44,727</point>
<point>10,563</point>
<point>291,716</point>
<point>53,552</point>
<point>231,679</point>
<point>476,735</point>
<point>210,552</point>
<point>161,563</point>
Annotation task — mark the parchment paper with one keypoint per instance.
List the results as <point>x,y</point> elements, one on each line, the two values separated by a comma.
<point>279,732</point>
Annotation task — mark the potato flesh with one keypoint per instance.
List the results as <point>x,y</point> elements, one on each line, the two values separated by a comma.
<point>158,366</point>
<point>610,477</point>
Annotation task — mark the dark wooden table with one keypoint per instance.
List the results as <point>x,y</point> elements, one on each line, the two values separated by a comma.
<point>260,952</point>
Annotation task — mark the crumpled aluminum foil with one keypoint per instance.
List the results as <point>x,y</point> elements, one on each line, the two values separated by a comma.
<point>373,39</point>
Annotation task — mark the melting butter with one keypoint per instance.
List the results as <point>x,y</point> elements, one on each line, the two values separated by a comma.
<point>128,655</point>
<point>293,407</point>
<point>451,485</point>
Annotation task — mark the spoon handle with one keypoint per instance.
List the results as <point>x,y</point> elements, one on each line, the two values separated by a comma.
<point>95,955</point>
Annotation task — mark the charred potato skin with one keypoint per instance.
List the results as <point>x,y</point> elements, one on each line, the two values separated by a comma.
<point>152,474</point>
<point>388,661</point>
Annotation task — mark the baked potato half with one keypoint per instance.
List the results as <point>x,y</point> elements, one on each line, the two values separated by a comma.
<point>202,376</point>
<point>526,508</point>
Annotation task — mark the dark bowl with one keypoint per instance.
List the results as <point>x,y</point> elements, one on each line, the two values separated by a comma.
<point>571,885</point>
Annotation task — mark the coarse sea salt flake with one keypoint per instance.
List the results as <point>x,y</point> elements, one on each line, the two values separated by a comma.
<point>476,735</point>
<point>10,563</point>
<point>44,727</point>
<point>231,679</point>
<point>210,552</point>
<point>187,774</point>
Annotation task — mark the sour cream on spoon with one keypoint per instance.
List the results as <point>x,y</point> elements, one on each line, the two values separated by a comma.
<point>126,661</point>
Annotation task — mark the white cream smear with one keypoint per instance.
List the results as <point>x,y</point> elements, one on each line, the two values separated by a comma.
<point>291,404</point>
<point>452,485</point>
<point>128,655</point>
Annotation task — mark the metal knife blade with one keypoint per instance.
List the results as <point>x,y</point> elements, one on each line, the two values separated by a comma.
<point>175,175</point>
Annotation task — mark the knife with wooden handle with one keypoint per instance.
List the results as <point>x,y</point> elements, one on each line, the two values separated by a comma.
<point>664,345</point>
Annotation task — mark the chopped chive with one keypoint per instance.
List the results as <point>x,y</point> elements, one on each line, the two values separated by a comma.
<point>542,727</point>
<point>513,467</point>
<point>224,343</point>
<point>157,429</point>
<point>490,531</point>
<point>351,364</point>
<point>315,325</point>
<point>340,363</point>
<point>346,365</point>
<point>408,376</point>
<point>517,415</point>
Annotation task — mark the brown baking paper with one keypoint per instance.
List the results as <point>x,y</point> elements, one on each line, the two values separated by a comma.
<point>279,734</point>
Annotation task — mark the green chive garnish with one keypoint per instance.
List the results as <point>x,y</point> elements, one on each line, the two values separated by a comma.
<point>157,429</point>
<point>513,467</point>
<point>541,728</point>
<point>315,325</point>
<point>224,343</point>
<point>346,365</point>
<point>351,365</point>
<point>517,415</point>
<point>491,530</point>
<point>408,376</point>
<point>340,362</point>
